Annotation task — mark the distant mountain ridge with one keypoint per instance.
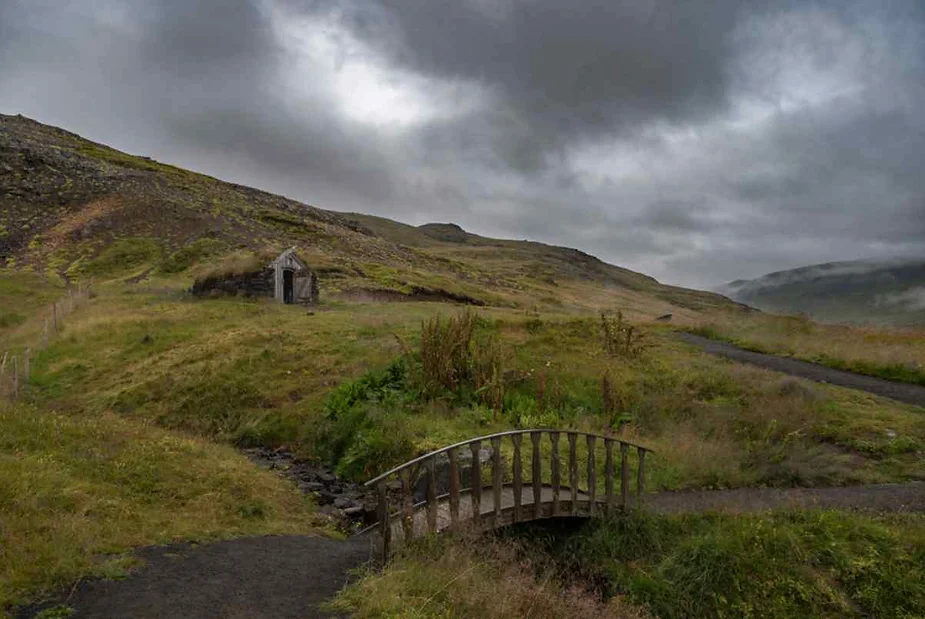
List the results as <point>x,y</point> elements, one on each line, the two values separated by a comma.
<point>872,291</point>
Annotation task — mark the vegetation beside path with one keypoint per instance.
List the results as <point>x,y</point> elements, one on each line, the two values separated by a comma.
<point>79,492</point>
<point>784,564</point>
<point>892,354</point>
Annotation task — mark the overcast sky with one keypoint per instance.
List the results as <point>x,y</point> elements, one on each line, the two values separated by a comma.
<point>696,141</point>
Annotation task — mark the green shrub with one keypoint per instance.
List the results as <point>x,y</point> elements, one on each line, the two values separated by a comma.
<point>619,338</point>
<point>122,255</point>
<point>187,256</point>
<point>364,430</point>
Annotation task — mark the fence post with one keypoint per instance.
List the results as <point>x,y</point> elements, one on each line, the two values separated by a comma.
<point>518,478</point>
<point>641,475</point>
<point>592,475</point>
<point>454,488</point>
<point>54,315</point>
<point>15,378</point>
<point>476,482</point>
<point>25,365</point>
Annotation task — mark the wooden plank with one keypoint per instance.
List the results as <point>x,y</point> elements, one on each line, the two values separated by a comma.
<point>641,475</point>
<point>573,470</point>
<point>518,478</point>
<point>624,474</point>
<point>407,506</point>
<point>497,477</point>
<point>382,514</point>
<point>592,475</point>
<point>431,469</point>
<point>608,476</point>
<point>554,472</point>
<point>476,490</point>
<point>454,488</point>
<point>537,476</point>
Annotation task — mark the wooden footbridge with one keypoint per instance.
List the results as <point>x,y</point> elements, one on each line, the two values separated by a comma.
<point>451,488</point>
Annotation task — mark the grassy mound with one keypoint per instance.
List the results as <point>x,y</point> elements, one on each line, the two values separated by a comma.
<point>78,491</point>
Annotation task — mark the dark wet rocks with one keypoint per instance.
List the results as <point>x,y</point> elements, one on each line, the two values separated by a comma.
<point>345,503</point>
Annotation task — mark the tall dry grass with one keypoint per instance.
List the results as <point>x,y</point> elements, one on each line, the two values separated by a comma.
<point>453,360</point>
<point>488,580</point>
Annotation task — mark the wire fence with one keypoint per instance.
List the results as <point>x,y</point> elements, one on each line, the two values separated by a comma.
<point>16,364</point>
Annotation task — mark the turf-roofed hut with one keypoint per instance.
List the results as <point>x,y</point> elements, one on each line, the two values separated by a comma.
<point>287,279</point>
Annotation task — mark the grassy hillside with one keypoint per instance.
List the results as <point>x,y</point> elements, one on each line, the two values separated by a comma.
<point>877,293</point>
<point>126,432</point>
<point>72,209</point>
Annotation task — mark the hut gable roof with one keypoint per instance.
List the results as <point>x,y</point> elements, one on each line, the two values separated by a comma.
<point>289,260</point>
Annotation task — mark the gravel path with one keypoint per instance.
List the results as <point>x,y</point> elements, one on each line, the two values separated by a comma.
<point>876,498</point>
<point>275,577</point>
<point>903,392</point>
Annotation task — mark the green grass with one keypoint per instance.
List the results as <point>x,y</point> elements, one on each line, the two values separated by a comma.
<point>799,564</point>
<point>77,492</point>
<point>144,365</point>
<point>22,295</point>
<point>259,373</point>
<point>785,564</point>
<point>124,255</point>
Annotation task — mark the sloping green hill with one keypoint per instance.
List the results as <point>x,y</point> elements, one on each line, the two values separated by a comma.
<point>70,207</point>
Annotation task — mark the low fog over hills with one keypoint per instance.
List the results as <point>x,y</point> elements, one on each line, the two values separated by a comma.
<point>876,291</point>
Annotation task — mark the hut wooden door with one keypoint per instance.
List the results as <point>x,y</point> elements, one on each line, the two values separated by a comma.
<point>288,287</point>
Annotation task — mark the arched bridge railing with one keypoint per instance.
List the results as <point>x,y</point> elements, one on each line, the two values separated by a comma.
<point>465,483</point>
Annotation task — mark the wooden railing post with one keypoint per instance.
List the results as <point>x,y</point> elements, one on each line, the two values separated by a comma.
<point>537,476</point>
<point>554,473</point>
<point>497,478</point>
<point>476,491</point>
<point>432,494</point>
<point>518,478</point>
<point>454,488</point>
<point>382,513</point>
<point>573,471</point>
<point>608,475</point>
<point>624,474</point>
<point>641,475</point>
<point>592,475</point>
<point>547,500</point>
<point>407,502</point>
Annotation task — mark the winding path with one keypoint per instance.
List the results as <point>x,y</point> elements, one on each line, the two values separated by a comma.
<point>902,392</point>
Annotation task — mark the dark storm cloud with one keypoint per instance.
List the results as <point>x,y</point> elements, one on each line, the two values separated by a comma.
<point>698,142</point>
<point>561,71</point>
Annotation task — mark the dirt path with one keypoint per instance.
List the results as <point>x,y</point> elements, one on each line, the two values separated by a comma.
<point>903,392</point>
<point>287,577</point>
<point>276,577</point>
<point>876,498</point>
